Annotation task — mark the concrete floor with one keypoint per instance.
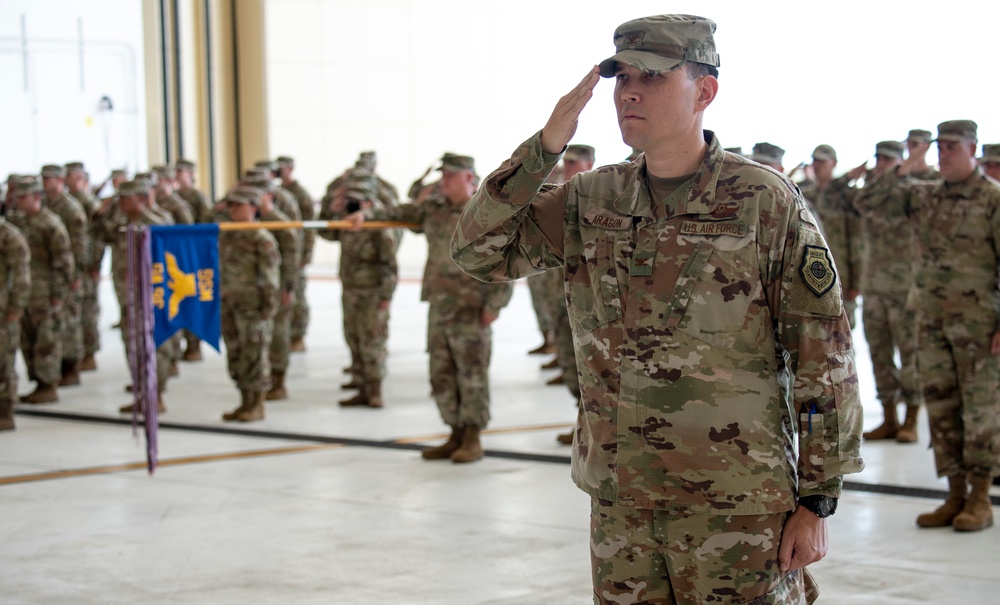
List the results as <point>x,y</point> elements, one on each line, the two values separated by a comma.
<point>320,504</point>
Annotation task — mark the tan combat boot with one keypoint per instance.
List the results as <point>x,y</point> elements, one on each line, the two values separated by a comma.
<point>374,390</point>
<point>89,364</point>
<point>552,364</point>
<point>360,399</point>
<point>908,432</point>
<point>297,346</point>
<point>446,449</point>
<point>566,438</point>
<point>255,407</point>
<point>70,374</point>
<point>943,515</point>
<point>560,379</point>
<point>548,347</point>
<point>978,511</point>
<point>278,390</point>
<point>889,427</point>
<point>43,393</point>
<point>193,352</point>
<point>471,449</point>
<point>244,396</point>
<point>160,408</point>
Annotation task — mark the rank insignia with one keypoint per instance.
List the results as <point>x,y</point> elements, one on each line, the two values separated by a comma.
<point>817,270</point>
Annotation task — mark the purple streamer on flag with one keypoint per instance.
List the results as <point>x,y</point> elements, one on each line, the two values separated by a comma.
<point>142,351</point>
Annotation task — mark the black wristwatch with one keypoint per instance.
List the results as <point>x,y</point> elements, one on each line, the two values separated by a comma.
<point>821,506</point>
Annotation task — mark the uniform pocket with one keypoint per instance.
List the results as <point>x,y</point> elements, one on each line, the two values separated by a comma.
<point>594,294</point>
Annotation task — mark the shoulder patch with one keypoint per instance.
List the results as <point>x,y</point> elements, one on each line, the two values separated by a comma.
<point>817,270</point>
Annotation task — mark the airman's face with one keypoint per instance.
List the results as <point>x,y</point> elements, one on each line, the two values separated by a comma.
<point>992,170</point>
<point>885,163</point>
<point>242,213</point>
<point>823,169</point>
<point>957,159</point>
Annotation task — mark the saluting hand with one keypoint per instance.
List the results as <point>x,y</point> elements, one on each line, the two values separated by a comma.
<point>561,127</point>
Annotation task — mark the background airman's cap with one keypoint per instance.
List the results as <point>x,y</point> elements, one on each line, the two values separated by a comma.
<point>766,152</point>
<point>165,173</point>
<point>260,179</point>
<point>579,152</point>
<point>991,153</point>
<point>26,185</point>
<point>736,150</point>
<point>456,163</point>
<point>244,194</point>
<point>137,186</point>
<point>117,172</point>
<point>919,136</point>
<point>52,170</point>
<point>148,177</point>
<point>284,160</point>
<point>824,152</point>
<point>662,43</point>
<point>358,191</point>
<point>74,167</point>
<point>183,164</point>
<point>267,165</point>
<point>890,149</point>
<point>957,130</point>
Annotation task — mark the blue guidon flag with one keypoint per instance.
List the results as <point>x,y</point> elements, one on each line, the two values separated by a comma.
<point>185,282</point>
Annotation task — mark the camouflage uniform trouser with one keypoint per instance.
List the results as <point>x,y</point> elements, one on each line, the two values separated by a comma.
<point>281,339</point>
<point>10,338</point>
<point>538,286</point>
<point>366,330</point>
<point>656,557</point>
<point>166,354</point>
<point>71,332</point>
<point>960,379</point>
<point>851,307</point>
<point>118,280</point>
<point>460,348</point>
<point>889,326</point>
<point>565,350</point>
<point>248,342</point>
<point>300,309</point>
<point>90,315</point>
<point>40,342</point>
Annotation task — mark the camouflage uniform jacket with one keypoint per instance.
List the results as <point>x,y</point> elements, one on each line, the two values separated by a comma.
<point>110,229</point>
<point>15,275</point>
<point>74,218</point>
<point>177,207</point>
<point>287,204</point>
<point>444,284</point>
<point>52,265</point>
<point>957,242</point>
<point>887,251</point>
<point>201,210</point>
<point>841,227</point>
<point>250,263</point>
<point>290,248</point>
<point>90,206</point>
<point>683,317</point>
<point>308,212</point>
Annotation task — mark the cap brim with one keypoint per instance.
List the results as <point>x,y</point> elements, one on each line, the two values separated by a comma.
<point>822,157</point>
<point>641,60</point>
<point>952,137</point>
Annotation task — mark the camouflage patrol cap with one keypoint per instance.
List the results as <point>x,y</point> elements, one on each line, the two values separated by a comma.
<point>284,160</point>
<point>662,43</point>
<point>53,171</point>
<point>259,179</point>
<point>457,163</point>
<point>184,164</point>
<point>824,152</point>
<point>137,186</point>
<point>165,172</point>
<point>117,172</point>
<point>919,136</point>
<point>579,152</point>
<point>243,194</point>
<point>74,167</point>
<point>957,130</point>
<point>766,152</point>
<point>890,149</point>
<point>736,150</point>
<point>148,177</point>
<point>26,185</point>
<point>991,153</point>
<point>266,165</point>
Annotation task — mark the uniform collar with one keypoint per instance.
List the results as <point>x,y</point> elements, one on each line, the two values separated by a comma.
<point>965,189</point>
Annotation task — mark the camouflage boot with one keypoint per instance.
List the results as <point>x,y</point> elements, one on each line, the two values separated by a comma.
<point>548,347</point>
<point>255,407</point>
<point>566,438</point>
<point>70,374</point>
<point>278,390</point>
<point>908,432</point>
<point>360,399</point>
<point>978,512</point>
<point>552,364</point>
<point>889,427</point>
<point>471,449</point>
<point>244,396</point>
<point>446,449</point>
<point>374,390</point>
<point>160,408</point>
<point>89,364</point>
<point>43,393</point>
<point>943,515</point>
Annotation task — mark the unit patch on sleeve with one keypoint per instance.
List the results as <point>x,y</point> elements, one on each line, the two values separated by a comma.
<point>817,270</point>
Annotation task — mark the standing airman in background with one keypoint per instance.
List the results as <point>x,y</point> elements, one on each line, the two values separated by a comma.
<point>955,294</point>
<point>307,210</point>
<point>74,218</point>
<point>15,294</point>
<point>831,199</point>
<point>78,184</point>
<point>886,279</point>
<point>462,308</point>
<point>249,262</point>
<point>197,201</point>
<point>918,143</point>
<point>368,273</point>
<point>990,161</point>
<point>53,270</point>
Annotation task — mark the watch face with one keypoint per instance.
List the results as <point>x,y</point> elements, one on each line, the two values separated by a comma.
<point>822,506</point>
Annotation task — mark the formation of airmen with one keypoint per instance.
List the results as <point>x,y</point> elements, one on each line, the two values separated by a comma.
<point>55,232</point>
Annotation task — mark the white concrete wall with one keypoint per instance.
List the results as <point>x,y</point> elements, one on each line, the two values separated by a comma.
<point>54,79</point>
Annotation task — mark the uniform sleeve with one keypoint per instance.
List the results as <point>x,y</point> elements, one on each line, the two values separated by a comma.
<point>63,268</point>
<point>268,269</point>
<point>19,256</point>
<point>508,229</point>
<point>290,246</point>
<point>326,213</point>
<point>388,266</point>
<point>308,212</point>
<point>812,330</point>
<point>76,227</point>
<point>411,214</point>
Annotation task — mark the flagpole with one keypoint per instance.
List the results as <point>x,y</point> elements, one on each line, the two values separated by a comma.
<point>338,225</point>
